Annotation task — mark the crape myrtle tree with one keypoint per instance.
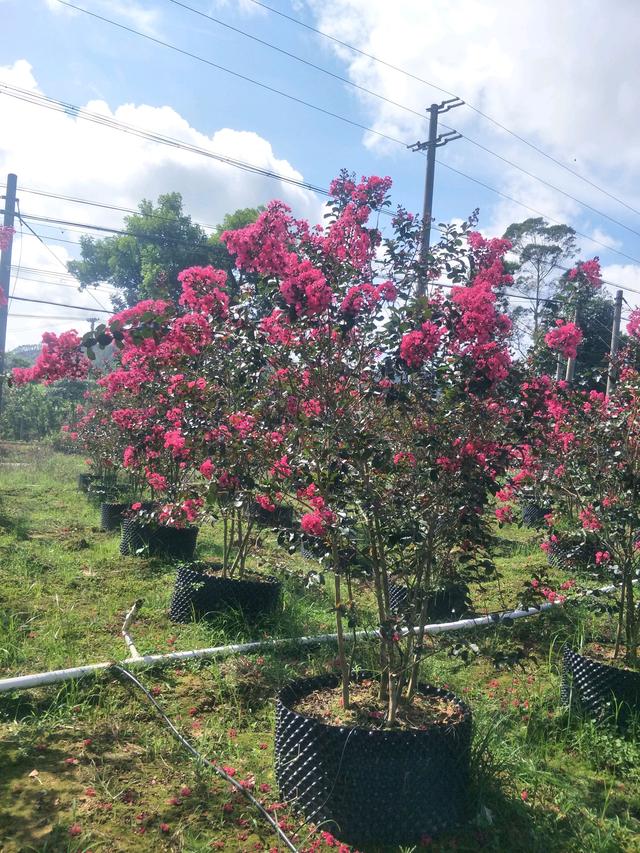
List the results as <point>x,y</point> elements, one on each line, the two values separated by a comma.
<point>382,417</point>
<point>583,454</point>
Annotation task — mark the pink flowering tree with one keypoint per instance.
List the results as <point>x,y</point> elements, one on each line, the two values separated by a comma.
<point>382,417</point>
<point>585,456</point>
<point>576,323</point>
<point>392,429</point>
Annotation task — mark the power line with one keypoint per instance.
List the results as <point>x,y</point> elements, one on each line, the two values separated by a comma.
<point>100,204</point>
<point>108,229</point>
<point>432,85</point>
<point>43,272</point>
<point>469,139</point>
<point>538,212</point>
<point>107,206</point>
<point>49,317</point>
<point>297,58</point>
<point>62,305</point>
<point>53,254</point>
<point>60,106</point>
<point>237,74</point>
<point>77,112</point>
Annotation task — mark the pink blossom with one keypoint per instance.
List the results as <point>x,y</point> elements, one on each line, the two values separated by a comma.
<point>265,502</point>
<point>281,468</point>
<point>417,346</point>
<point>129,457</point>
<point>633,326</point>
<point>589,519</point>
<point>305,288</point>
<point>315,523</point>
<point>203,290</point>
<point>59,358</point>
<point>404,457</point>
<point>565,338</point>
<point>207,469</point>
<point>590,270</point>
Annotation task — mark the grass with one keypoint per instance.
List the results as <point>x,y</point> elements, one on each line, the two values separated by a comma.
<point>91,755</point>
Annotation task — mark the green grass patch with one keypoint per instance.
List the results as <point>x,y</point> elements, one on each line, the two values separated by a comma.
<point>92,758</point>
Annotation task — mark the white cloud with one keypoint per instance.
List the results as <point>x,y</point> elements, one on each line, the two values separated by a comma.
<point>606,238</point>
<point>560,74</point>
<point>244,6</point>
<point>140,15</point>
<point>624,276</point>
<point>66,155</point>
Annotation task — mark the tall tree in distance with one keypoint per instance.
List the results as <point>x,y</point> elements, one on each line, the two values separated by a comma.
<point>540,249</point>
<point>160,241</point>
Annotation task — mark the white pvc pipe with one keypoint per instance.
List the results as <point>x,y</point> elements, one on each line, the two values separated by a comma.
<point>39,679</point>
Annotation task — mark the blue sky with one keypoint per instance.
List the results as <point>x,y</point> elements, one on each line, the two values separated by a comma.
<point>545,72</point>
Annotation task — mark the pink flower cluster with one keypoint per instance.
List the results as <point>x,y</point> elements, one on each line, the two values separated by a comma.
<point>418,346</point>
<point>589,519</point>
<point>367,297</point>
<point>6,234</point>
<point>590,270</point>
<point>203,290</point>
<point>565,339</point>
<point>315,523</point>
<point>633,326</point>
<point>304,287</point>
<point>265,245</point>
<point>60,358</point>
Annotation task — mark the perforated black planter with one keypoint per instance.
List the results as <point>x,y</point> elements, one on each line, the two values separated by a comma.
<point>599,689</point>
<point>447,603</point>
<point>111,515</point>
<point>157,540</point>
<point>372,786</point>
<point>282,516</point>
<point>197,594</point>
<point>568,555</point>
<point>84,481</point>
<point>532,513</point>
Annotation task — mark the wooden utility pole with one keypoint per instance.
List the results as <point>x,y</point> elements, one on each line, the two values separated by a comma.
<point>5,270</point>
<point>434,141</point>
<point>615,340</point>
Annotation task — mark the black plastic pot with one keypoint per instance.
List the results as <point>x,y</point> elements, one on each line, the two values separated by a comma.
<point>569,555</point>
<point>112,515</point>
<point>447,603</point>
<point>197,594</point>
<point>602,691</point>
<point>532,514</point>
<point>282,515</point>
<point>84,481</point>
<point>376,786</point>
<point>157,540</point>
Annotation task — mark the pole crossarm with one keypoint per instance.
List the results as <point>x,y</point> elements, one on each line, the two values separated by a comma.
<point>435,140</point>
<point>440,140</point>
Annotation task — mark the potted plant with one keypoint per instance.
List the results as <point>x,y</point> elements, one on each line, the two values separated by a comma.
<point>587,461</point>
<point>389,418</point>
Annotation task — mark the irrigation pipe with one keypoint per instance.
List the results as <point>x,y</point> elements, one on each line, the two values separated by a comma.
<point>39,679</point>
<point>190,748</point>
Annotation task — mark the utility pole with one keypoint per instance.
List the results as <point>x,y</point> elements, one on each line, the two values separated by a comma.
<point>615,339</point>
<point>434,141</point>
<point>5,270</point>
<point>92,321</point>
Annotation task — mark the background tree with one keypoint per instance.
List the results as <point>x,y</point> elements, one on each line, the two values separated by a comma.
<point>539,249</point>
<point>160,241</point>
<point>592,309</point>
